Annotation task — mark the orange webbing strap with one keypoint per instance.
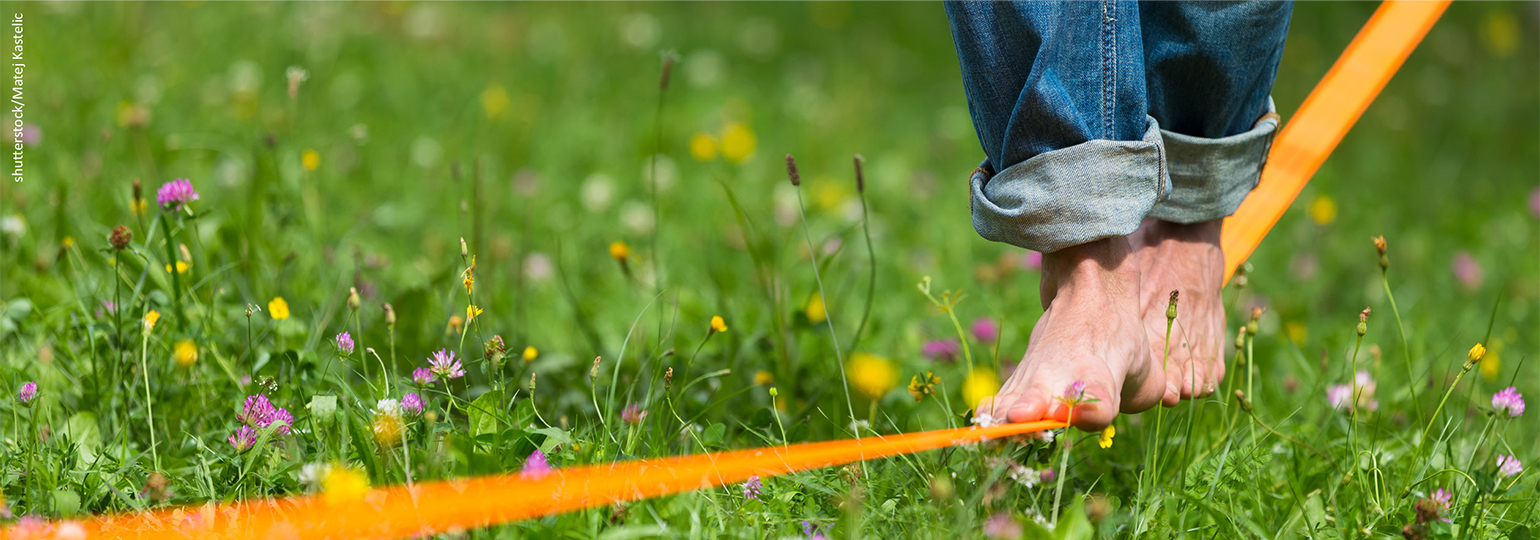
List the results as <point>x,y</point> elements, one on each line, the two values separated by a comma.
<point>446,505</point>
<point>1335,104</point>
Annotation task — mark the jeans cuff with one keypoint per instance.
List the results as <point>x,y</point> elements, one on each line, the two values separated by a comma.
<point>1210,177</point>
<point>1070,196</point>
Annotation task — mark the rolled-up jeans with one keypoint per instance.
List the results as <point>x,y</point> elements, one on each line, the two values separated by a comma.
<point>1097,114</point>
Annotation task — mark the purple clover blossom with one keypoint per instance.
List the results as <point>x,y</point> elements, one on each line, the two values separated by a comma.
<point>1075,393</point>
<point>810,530</point>
<point>985,330</point>
<point>751,488</point>
<point>412,404</point>
<point>261,413</point>
<point>344,342</point>
<point>633,414</point>
<point>1046,475</point>
<point>422,376</point>
<point>172,195</point>
<point>243,439</point>
<point>1509,401</point>
<point>1466,270</point>
<point>536,467</point>
<point>444,364</point>
<point>945,350</point>
<point>27,393</point>
<point>1508,466</point>
<point>1440,499</point>
<point>1001,525</point>
<point>1339,396</point>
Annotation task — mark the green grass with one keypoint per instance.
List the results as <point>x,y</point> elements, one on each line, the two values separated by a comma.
<point>504,125</point>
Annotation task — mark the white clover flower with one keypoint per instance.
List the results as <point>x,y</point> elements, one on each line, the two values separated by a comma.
<point>985,419</point>
<point>389,407</point>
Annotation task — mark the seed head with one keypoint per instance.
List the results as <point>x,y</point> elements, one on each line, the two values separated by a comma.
<point>1171,307</point>
<point>1245,403</point>
<point>390,314</point>
<point>860,178</point>
<point>532,382</point>
<point>353,298</point>
<point>465,251</point>
<point>1379,245</point>
<point>791,171</point>
<point>120,238</point>
<point>1363,322</point>
<point>668,70</point>
<point>594,373</point>
<point>668,378</point>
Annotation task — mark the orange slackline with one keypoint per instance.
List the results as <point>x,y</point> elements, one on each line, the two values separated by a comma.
<point>1336,103</point>
<point>395,512</point>
<point>444,505</point>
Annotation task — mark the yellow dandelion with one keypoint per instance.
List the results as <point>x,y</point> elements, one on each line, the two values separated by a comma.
<point>343,484</point>
<point>530,354</point>
<point>67,242</point>
<point>181,267</point>
<point>703,147</point>
<point>738,142</point>
<point>717,324</point>
<point>150,319</point>
<point>1323,210</point>
<point>470,275</point>
<point>763,377</point>
<point>494,100</point>
<point>1106,439</point>
<point>471,311</point>
<point>186,353</point>
<point>815,310</point>
<point>310,159</point>
<point>387,429</point>
<point>1476,353</point>
<point>979,385</point>
<point>923,385</point>
<point>278,309</point>
<point>871,375</point>
<point>620,251</point>
<point>139,206</point>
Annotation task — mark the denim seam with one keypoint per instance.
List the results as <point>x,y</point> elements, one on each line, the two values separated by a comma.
<point>1109,68</point>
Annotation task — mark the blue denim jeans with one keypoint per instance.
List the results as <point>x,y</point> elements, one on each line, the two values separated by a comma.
<point>1097,114</point>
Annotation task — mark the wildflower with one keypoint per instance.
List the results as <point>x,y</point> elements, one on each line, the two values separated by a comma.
<point>1440,499</point>
<point>979,385</point>
<point>1323,210</point>
<point>810,530</point>
<point>344,343</point>
<point>871,375</point>
<point>751,488</point>
<point>1509,466</point>
<point>343,484</point>
<point>815,310</point>
<point>1074,394</point>
<point>387,425</point>
<point>1475,354</point>
<point>941,349</point>
<point>1001,525</point>
<point>985,330</point>
<point>703,147</point>
<point>921,386</point>
<point>120,238</point>
<point>738,143</point>
<point>536,466</point>
<point>181,267</point>
<point>530,354</point>
<point>150,317</point>
<point>312,474</point>
<point>243,439</point>
<point>27,394</point>
<point>412,404</point>
<point>471,311</point>
<point>1047,475</point>
<point>310,160</point>
<point>390,314</point>
<point>620,251</point>
<point>470,272</point>
<point>185,353</point>
<point>1466,270</point>
<point>257,411</point>
<point>1508,401</point>
<point>1022,474</point>
<point>444,364</point>
<point>422,376</point>
<point>1105,441</point>
<point>456,323</point>
<point>172,195</point>
<point>984,419</point>
<point>633,414</point>
<point>278,309</point>
<point>1341,396</point>
<point>717,324</point>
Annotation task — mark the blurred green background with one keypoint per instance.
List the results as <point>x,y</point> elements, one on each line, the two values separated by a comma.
<point>527,129</point>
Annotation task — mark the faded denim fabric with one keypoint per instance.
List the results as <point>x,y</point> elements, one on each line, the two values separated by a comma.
<point>1094,115</point>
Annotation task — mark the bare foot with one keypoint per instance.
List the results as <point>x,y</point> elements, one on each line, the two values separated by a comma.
<point>1185,258</point>
<point>1090,332</point>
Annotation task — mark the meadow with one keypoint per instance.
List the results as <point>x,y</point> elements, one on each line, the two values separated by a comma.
<point>268,249</point>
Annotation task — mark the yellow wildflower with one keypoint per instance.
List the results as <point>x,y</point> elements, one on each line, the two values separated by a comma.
<point>921,386</point>
<point>816,311</point>
<point>387,428</point>
<point>530,354</point>
<point>738,142</point>
<point>1492,365</point>
<point>763,377</point>
<point>456,322</point>
<point>1296,331</point>
<point>278,309</point>
<point>1106,439</point>
<point>471,311</point>
<point>139,206</point>
<point>186,353</point>
<point>1323,210</point>
<point>181,267</point>
<point>149,320</point>
<point>979,385</point>
<point>494,100</point>
<point>343,484</point>
<point>310,159</point>
<point>703,147</point>
<point>871,375</point>
<point>470,275</point>
<point>620,251</point>
<point>717,324</point>
<point>67,242</point>
<point>1476,353</point>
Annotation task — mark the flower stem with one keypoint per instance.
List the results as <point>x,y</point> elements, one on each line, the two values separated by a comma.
<point>176,279</point>
<point>1406,348</point>
<point>1058,489</point>
<point>149,402</point>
